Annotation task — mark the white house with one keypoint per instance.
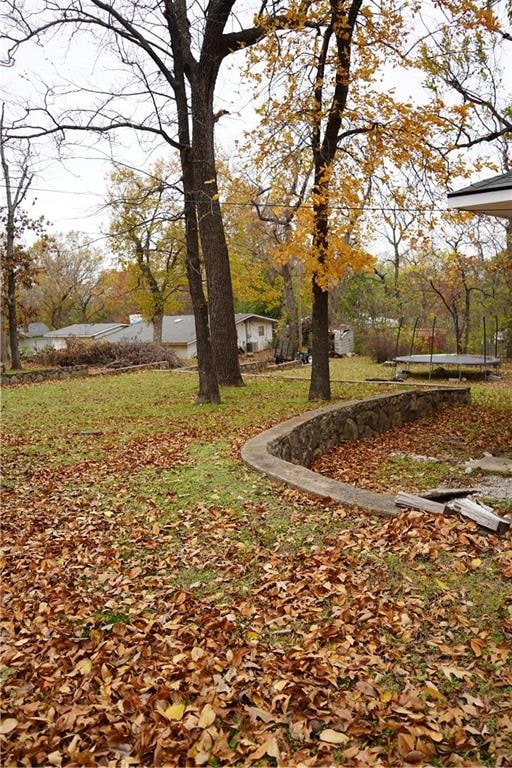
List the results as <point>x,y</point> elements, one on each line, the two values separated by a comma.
<point>178,333</point>
<point>58,339</point>
<point>254,332</point>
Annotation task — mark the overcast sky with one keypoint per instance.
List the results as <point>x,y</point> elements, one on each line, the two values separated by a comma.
<point>70,190</point>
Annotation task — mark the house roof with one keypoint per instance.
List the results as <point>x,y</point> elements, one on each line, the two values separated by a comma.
<point>84,330</point>
<point>491,196</point>
<point>181,329</point>
<point>176,329</point>
<point>34,329</point>
<point>239,318</point>
<point>138,331</point>
<point>495,183</point>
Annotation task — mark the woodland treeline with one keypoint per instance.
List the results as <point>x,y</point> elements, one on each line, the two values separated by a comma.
<point>332,206</point>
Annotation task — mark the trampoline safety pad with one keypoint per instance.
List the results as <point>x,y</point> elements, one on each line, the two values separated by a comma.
<point>453,359</point>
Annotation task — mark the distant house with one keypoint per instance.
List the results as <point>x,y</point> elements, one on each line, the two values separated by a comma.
<point>178,333</point>
<point>32,338</point>
<point>254,333</point>
<point>58,339</point>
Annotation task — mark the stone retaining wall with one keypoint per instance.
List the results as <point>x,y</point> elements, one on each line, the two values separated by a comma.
<point>50,374</point>
<point>284,452</point>
<point>335,424</point>
<point>261,366</point>
<point>46,374</point>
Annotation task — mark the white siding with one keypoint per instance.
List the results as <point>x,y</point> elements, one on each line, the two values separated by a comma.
<point>183,351</point>
<point>56,343</point>
<point>33,344</point>
<point>249,333</point>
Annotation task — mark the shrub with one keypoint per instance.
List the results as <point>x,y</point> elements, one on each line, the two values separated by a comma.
<point>380,345</point>
<point>107,353</point>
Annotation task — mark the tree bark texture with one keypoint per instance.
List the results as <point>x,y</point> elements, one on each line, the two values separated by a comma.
<point>158,320</point>
<point>211,229</point>
<point>208,382</point>
<point>291,307</point>
<point>320,385</point>
<point>5,354</point>
<point>12,321</point>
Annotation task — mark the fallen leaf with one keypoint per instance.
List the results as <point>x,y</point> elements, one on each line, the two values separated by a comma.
<point>269,747</point>
<point>84,667</point>
<point>207,716</point>
<point>8,725</point>
<point>448,671</point>
<point>406,743</point>
<point>174,711</point>
<point>333,737</point>
<point>386,696</point>
<point>414,756</point>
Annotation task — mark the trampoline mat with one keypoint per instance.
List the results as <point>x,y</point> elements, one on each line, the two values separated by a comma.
<point>443,359</point>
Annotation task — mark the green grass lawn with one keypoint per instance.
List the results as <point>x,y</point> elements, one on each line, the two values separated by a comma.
<point>166,605</point>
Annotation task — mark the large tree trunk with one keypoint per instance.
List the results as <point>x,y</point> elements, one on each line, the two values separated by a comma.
<point>291,307</point>
<point>320,386</point>
<point>213,243</point>
<point>5,354</point>
<point>208,382</point>
<point>158,321</point>
<point>457,331</point>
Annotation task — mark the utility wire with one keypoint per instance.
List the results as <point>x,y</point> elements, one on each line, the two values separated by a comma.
<point>270,204</point>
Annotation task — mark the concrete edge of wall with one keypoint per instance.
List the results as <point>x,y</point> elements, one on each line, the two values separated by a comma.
<point>259,453</point>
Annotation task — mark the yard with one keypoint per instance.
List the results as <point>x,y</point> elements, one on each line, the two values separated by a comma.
<point>163,605</point>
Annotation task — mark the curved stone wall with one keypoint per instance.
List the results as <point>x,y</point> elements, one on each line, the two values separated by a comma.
<point>285,452</point>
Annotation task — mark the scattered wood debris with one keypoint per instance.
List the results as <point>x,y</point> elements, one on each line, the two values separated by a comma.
<point>91,432</point>
<point>483,515</point>
<point>410,501</point>
<point>446,494</point>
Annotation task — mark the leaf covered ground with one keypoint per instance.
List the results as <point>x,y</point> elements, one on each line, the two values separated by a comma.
<point>163,605</point>
<point>432,451</point>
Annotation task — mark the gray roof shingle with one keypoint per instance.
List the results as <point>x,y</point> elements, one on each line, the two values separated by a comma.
<point>34,329</point>
<point>176,329</point>
<point>84,330</point>
<point>494,184</point>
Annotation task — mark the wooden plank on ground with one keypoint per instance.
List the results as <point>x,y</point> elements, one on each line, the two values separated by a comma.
<point>472,510</point>
<point>480,513</point>
<point>446,494</point>
<point>403,499</point>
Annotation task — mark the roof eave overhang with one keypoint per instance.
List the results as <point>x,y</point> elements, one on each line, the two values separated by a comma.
<point>495,203</point>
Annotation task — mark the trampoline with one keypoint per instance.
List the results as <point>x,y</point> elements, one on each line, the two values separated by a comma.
<point>440,359</point>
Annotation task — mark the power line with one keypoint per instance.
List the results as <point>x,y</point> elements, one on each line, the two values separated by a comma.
<point>272,204</point>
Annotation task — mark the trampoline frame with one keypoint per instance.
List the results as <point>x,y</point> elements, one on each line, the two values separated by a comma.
<point>443,358</point>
